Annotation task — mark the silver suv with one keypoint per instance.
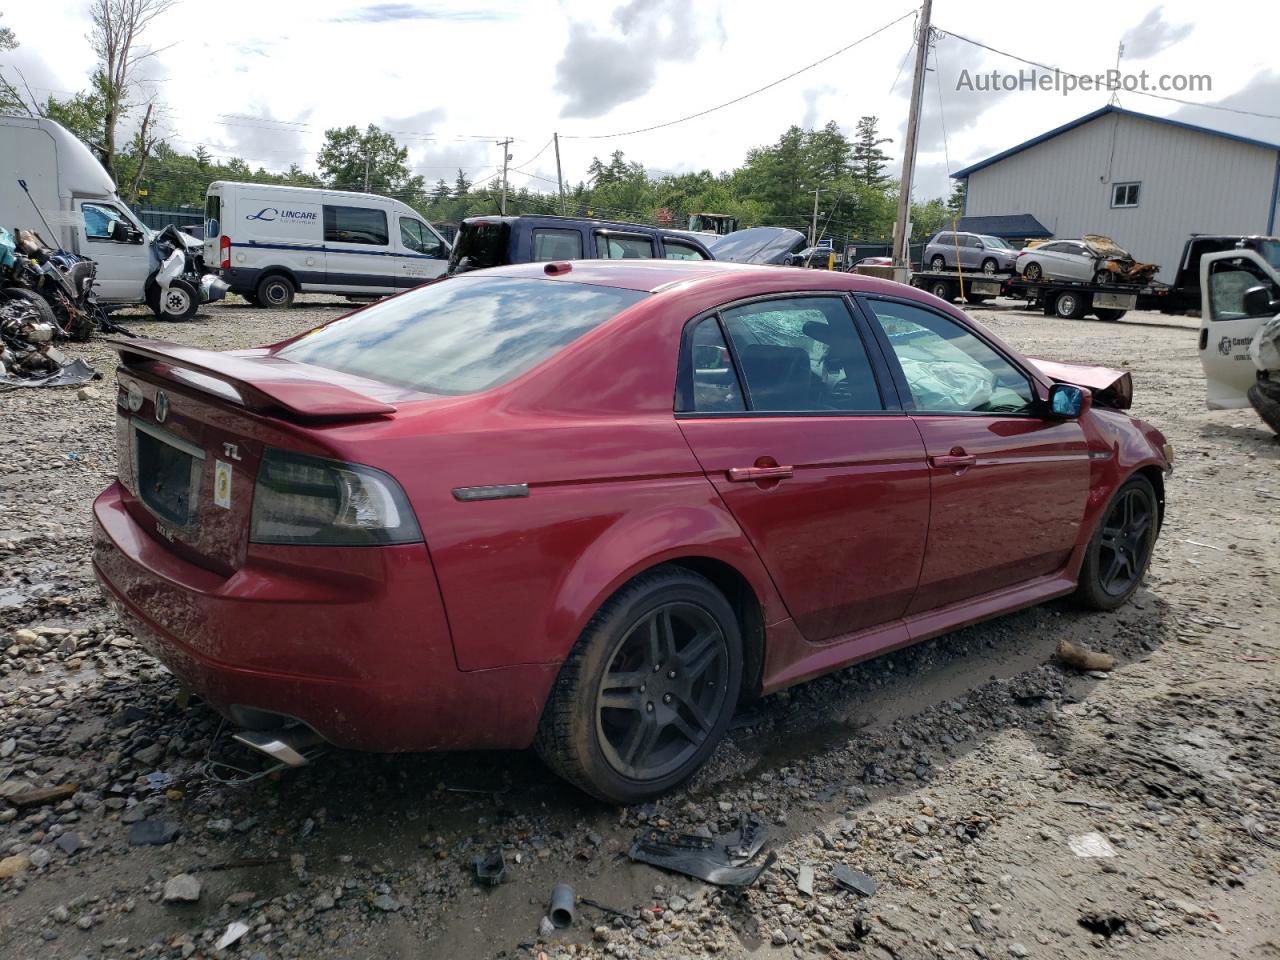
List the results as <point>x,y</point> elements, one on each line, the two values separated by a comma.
<point>976,252</point>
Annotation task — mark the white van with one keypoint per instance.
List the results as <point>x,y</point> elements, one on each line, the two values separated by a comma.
<point>273,242</point>
<point>1229,319</point>
<point>69,194</point>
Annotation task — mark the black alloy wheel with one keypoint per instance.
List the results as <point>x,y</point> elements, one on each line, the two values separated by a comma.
<point>647,691</point>
<point>662,692</point>
<point>1120,550</point>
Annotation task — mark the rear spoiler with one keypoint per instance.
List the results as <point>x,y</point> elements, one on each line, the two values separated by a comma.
<point>1111,388</point>
<point>266,384</point>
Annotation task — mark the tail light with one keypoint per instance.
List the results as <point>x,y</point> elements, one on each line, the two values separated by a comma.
<point>300,499</point>
<point>224,252</point>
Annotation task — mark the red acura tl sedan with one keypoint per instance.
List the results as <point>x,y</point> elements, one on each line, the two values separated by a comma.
<point>591,506</point>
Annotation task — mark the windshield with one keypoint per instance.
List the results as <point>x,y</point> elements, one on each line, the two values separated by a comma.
<point>482,244</point>
<point>996,242</point>
<point>461,335</point>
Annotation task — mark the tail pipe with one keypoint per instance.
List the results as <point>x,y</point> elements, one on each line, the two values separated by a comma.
<point>288,746</point>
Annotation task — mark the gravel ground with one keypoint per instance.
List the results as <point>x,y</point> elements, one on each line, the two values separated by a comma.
<point>959,774</point>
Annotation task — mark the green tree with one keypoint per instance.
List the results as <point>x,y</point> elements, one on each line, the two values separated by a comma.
<point>955,203</point>
<point>371,161</point>
<point>84,114</point>
<point>868,159</point>
<point>11,100</point>
<point>461,185</point>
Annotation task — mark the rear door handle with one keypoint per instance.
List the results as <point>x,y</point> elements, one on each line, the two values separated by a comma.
<point>953,461</point>
<point>755,474</point>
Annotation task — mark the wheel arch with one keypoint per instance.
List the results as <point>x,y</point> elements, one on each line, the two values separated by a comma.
<point>742,597</point>
<point>277,271</point>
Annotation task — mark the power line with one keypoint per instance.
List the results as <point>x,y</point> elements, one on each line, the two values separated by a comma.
<point>745,96</point>
<point>535,156</point>
<point>1077,76</point>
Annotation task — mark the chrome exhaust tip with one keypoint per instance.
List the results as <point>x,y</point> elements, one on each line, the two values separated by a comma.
<point>286,746</point>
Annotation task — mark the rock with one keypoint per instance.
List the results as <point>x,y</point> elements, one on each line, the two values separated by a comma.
<point>545,927</point>
<point>87,393</point>
<point>779,937</point>
<point>39,858</point>
<point>69,843</point>
<point>1017,950</point>
<point>322,903</point>
<point>602,934</point>
<point>183,888</point>
<point>25,637</point>
<point>385,903</point>
<point>149,755</point>
<point>219,827</point>
<point>60,914</point>
<point>7,747</point>
<point>12,866</point>
<point>804,881</point>
<point>153,832</point>
<point>235,930</point>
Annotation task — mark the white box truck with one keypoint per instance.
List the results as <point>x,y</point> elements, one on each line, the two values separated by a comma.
<point>272,242</point>
<point>69,193</point>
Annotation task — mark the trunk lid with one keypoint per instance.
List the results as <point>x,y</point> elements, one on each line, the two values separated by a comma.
<point>192,426</point>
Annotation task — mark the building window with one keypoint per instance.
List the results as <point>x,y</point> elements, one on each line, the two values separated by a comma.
<point>1124,194</point>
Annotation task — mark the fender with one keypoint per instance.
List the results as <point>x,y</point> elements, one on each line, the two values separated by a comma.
<point>703,527</point>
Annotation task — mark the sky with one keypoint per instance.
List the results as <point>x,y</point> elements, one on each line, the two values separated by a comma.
<point>263,80</point>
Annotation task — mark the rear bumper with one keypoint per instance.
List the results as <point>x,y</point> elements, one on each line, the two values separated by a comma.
<point>353,642</point>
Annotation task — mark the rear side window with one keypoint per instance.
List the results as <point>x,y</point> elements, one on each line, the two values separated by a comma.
<point>355,225</point>
<point>611,246</point>
<point>676,250</point>
<point>715,381</point>
<point>463,335</point>
<point>212,215</point>
<point>944,238</point>
<point>557,245</point>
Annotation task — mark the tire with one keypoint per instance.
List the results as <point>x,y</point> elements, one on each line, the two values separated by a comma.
<point>1103,277</point>
<point>1095,588</point>
<point>179,302</point>
<point>1103,313</point>
<point>1069,306</point>
<point>937,263</point>
<point>275,292</point>
<point>587,743</point>
<point>40,304</point>
<point>1267,404</point>
<point>1032,272</point>
<point>942,290</point>
<point>989,267</point>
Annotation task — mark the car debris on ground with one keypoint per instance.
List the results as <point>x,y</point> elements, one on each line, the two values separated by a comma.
<point>722,860</point>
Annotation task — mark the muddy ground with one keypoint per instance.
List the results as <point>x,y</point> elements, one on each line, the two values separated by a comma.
<point>957,775</point>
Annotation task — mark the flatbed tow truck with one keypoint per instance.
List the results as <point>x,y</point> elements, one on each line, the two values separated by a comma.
<point>1068,299</point>
<point>1074,299</point>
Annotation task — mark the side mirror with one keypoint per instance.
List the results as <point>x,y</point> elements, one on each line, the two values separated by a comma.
<point>1258,302</point>
<point>120,231</point>
<point>1069,402</point>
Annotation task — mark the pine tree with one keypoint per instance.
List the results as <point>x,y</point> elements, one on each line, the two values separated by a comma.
<point>868,159</point>
<point>461,186</point>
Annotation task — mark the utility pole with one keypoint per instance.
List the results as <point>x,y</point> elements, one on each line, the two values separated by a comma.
<point>813,230</point>
<point>901,248</point>
<point>559,175</point>
<point>506,155</point>
<point>366,171</point>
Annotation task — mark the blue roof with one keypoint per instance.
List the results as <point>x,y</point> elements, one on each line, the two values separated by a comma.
<point>1080,121</point>
<point>1009,225</point>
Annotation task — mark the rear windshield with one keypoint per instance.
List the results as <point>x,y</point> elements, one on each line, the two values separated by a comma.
<point>480,245</point>
<point>463,334</point>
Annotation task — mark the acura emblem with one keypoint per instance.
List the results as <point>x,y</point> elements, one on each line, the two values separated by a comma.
<point>162,406</point>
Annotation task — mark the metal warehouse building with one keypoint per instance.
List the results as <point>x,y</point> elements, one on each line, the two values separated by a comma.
<point>1146,182</point>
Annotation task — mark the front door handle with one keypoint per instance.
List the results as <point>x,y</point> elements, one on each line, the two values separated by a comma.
<point>756,474</point>
<point>955,460</point>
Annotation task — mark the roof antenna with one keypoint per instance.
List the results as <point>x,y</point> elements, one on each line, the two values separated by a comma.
<point>1115,85</point>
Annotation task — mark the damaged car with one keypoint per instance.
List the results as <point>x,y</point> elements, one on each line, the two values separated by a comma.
<point>593,506</point>
<point>1092,259</point>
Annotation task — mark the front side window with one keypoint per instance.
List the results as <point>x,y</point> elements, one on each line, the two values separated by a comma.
<point>355,225</point>
<point>98,218</point>
<point>469,334</point>
<point>675,250</point>
<point>1125,194</point>
<point>619,247</point>
<point>418,238</point>
<point>557,245</point>
<point>802,355</point>
<point>947,368</point>
<point>1229,280</point>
